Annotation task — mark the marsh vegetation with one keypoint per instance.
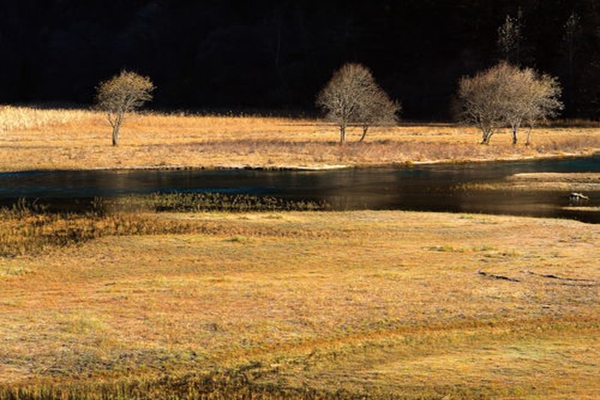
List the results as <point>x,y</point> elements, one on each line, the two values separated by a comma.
<point>233,297</point>
<point>225,294</point>
<point>296,305</point>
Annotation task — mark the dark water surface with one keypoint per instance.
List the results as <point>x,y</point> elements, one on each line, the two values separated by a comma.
<point>424,187</point>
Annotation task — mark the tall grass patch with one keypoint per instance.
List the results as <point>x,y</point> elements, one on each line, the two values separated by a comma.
<point>23,118</point>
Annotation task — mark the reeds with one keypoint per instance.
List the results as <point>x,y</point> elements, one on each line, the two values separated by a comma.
<point>28,232</point>
<point>204,202</point>
<point>22,118</point>
<point>28,228</point>
<point>229,385</point>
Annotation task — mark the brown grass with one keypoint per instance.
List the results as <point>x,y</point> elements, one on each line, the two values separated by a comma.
<point>413,305</point>
<point>67,139</point>
<point>28,230</point>
<point>565,182</point>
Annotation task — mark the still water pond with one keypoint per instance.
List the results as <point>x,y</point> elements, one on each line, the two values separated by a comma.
<point>424,187</point>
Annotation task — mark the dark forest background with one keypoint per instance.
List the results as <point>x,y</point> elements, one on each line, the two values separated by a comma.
<point>265,55</point>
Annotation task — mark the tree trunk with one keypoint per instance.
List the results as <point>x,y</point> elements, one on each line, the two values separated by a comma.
<point>486,137</point>
<point>514,135</point>
<point>486,130</point>
<point>115,135</point>
<point>365,129</point>
<point>528,142</point>
<point>342,134</point>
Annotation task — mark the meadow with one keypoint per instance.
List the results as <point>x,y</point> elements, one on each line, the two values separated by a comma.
<point>34,139</point>
<point>289,304</point>
<point>174,298</point>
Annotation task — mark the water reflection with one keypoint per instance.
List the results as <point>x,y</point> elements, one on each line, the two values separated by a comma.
<point>427,187</point>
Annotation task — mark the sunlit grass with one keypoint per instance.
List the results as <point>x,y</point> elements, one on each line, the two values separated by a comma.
<point>305,305</point>
<point>125,302</point>
<point>27,118</point>
<point>26,228</point>
<point>78,139</point>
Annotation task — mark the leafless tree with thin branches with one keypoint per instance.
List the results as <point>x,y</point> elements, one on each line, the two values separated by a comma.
<point>545,102</point>
<point>529,97</point>
<point>121,94</point>
<point>352,97</point>
<point>507,95</point>
<point>380,110</point>
<point>481,99</point>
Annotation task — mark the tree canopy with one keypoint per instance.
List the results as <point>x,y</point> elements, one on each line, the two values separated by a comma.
<point>352,97</point>
<point>121,94</point>
<point>506,95</point>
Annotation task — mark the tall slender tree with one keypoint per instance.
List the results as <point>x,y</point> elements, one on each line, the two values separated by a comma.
<point>509,39</point>
<point>571,35</point>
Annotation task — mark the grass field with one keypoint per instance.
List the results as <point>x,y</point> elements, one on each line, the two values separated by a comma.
<point>300,305</point>
<point>286,304</point>
<point>33,139</point>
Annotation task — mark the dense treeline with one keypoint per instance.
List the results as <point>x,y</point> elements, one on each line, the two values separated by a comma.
<point>277,55</point>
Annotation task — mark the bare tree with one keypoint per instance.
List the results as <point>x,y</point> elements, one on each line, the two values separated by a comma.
<point>506,95</point>
<point>529,97</point>
<point>380,110</point>
<point>482,99</point>
<point>121,94</point>
<point>518,98</point>
<point>351,98</point>
<point>544,103</point>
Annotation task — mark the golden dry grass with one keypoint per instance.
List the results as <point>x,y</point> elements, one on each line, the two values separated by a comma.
<point>26,118</point>
<point>373,303</point>
<point>69,139</point>
<point>554,181</point>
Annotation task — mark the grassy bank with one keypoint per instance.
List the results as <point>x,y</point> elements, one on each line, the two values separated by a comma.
<point>67,139</point>
<point>300,305</point>
<point>549,181</point>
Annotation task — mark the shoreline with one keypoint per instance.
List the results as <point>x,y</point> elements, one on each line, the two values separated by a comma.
<point>312,168</point>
